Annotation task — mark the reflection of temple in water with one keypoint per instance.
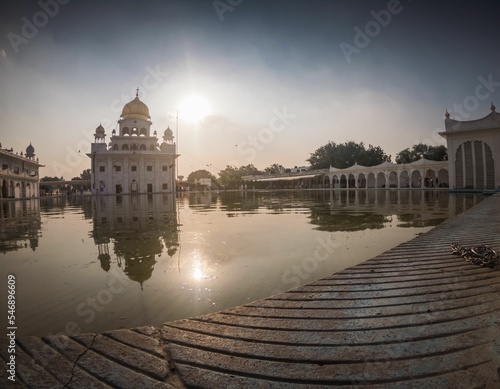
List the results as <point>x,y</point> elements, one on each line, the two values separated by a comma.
<point>345,210</point>
<point>139,228</point>
<point>20,225</point>
<point>354,210</point>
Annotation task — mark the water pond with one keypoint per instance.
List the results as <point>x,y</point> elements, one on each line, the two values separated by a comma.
<point>86,264</point>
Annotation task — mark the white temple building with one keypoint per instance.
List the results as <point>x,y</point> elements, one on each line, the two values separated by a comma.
<point>19,176</point>
<point>473,152</point>
<point>133,161</point>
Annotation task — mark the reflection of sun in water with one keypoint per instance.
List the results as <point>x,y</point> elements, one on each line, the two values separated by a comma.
<point>197,273</point>
<point>194,108</point>
<point>197,267</point>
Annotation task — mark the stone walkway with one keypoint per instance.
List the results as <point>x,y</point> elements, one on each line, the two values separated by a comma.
<point>415,316</point>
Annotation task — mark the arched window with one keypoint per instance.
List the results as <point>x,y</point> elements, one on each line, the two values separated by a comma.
<point>143,147</point>
<point>125,147</point>
<point>393,180</point>
<point>361,180</point>
<point>125,131</point>
<point>381,180</point>
<point>404,179</point>
<point>474,166</point>
<point>416,179</point>
<point>134,147</point>
<point>115,147</point>
<point>144,131</point>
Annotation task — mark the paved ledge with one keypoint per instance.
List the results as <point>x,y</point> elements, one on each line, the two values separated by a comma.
<point>415,316</point>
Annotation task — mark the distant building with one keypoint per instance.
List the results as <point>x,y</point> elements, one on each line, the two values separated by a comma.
<point>133,161</point>
<point>204,182</point>
<point>473,152</point>
<point>19,177</point>
<point>297,169</point>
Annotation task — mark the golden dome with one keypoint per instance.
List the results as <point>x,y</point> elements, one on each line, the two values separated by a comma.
<point>136,108</point>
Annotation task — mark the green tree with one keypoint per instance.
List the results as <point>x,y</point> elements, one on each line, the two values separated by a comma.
<point>196,175</point>
<point>344,155</point>
<point>420,150</point>
<point>248,170</point>
<point>275,168</point>
<point>85,175</point>
<point>231,176</point>
<point>404,156</point>
<point>438,153</point>
<point>193,177</point>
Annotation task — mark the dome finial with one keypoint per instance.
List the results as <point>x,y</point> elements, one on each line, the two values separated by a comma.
<point>137,92</point>
<point>492,107</point>
<point>447,114</point>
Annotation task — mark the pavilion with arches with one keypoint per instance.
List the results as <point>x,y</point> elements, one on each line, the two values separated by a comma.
<point>419,174</point>
<point>474,152</point>
<point>473,165</point>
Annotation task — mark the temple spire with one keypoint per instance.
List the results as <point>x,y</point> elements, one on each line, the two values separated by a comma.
<point>137,92</point>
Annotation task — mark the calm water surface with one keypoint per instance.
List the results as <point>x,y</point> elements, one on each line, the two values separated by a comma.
<point>87,264</point>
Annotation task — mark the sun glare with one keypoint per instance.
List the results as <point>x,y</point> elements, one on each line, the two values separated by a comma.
<point>197,273</point>
<point>194,108</point>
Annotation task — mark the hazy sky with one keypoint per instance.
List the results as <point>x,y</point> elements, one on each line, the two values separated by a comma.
<point>274,79</point>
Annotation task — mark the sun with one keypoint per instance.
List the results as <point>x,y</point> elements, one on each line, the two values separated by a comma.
<point>194,108</point>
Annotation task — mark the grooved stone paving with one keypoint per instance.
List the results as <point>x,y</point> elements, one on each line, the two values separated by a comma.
<point>416,316</point>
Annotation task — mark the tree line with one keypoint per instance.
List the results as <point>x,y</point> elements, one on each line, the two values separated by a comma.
<point>338,155</point>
